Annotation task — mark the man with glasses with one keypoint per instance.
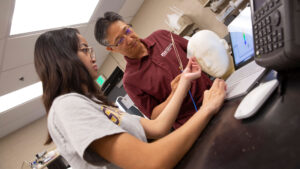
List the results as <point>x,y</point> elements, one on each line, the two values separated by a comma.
<point>152,70</point>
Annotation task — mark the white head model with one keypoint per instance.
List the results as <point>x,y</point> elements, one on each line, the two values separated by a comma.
<point>210,51</point>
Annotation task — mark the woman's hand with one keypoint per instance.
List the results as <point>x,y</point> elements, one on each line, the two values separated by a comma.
<point>192,70</point>
<point>214,97</point>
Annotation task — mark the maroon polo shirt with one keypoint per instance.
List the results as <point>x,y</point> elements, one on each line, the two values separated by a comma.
<point>147,81</point>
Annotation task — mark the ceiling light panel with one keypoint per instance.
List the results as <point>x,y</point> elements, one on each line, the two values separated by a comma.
<point>35,15</point>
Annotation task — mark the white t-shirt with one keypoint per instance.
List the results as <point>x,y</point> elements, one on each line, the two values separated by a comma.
<point>75,121</point>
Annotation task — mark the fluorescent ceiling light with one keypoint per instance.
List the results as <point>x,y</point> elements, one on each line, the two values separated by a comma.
<point>20,96</point>
<point>34,15</point>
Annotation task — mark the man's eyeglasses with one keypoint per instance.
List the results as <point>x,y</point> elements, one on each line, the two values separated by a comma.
<point>89,50</point>
<point>120,40</point>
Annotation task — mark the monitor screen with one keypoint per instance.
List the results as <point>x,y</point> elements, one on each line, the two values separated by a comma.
<point>241,36</point>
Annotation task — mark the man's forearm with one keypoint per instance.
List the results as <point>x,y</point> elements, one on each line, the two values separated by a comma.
<point>159,108</point>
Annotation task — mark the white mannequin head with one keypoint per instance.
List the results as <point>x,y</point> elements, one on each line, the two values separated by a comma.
<point>210,51</point>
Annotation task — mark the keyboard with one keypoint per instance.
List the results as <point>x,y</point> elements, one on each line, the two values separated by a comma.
<point>240,81</point>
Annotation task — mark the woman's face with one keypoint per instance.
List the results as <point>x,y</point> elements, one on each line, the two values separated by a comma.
<point>86,55</point>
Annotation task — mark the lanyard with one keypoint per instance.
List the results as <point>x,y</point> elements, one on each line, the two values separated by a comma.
<point>176,53</point>
<point>181,67</point>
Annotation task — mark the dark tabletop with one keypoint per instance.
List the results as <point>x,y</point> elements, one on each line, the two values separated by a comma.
<point>269,140</point>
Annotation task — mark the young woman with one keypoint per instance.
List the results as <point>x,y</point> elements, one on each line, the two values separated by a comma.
<point>89,132</point>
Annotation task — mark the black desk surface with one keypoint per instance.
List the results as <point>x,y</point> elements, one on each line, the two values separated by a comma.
<point>268,140</point>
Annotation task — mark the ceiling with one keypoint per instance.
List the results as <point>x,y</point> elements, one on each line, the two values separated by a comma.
<point>16,58</point>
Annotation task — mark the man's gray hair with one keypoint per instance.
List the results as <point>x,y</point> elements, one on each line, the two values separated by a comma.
<point>102,25</point>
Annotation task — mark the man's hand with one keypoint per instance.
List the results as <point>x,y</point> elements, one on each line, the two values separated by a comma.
<point>174,83</point>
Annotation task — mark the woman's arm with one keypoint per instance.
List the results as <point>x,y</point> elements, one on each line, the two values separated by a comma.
<point>127,151</point>
<point>161,125</point>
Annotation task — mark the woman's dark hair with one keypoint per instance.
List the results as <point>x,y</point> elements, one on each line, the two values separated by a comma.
<point>102,25</point>
<point>60,69</point>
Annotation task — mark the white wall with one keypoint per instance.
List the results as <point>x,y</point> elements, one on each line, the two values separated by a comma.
<point>23,144</point>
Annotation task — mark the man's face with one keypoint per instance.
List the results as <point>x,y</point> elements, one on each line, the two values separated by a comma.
<point>123,39</point>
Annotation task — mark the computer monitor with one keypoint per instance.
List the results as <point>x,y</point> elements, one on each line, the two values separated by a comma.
<point>240,30</point>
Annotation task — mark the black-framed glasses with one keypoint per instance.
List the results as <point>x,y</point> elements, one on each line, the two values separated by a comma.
<point>89,50</point>
<point>120,40</point>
